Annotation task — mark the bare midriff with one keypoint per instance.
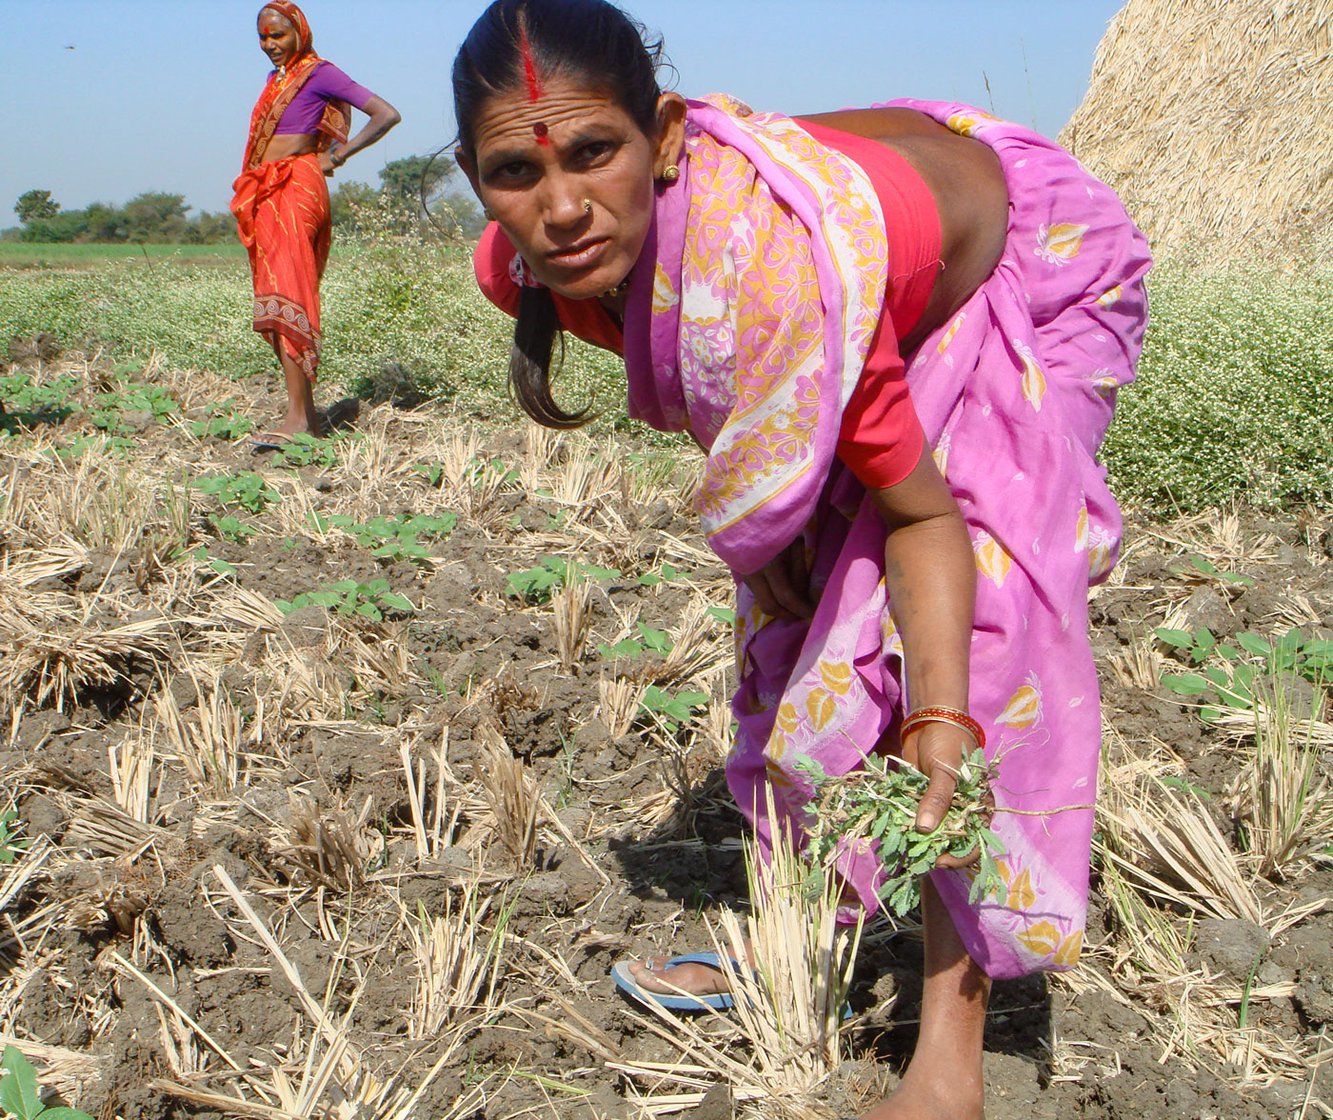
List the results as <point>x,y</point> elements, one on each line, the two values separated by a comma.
<point>965,178</point>
<point>289,144</point>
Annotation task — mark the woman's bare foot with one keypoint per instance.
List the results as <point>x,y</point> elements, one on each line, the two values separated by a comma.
<point>943,1080</point>
<point>652,975</point>
<point>301,416</point>
<point>938,1093</point>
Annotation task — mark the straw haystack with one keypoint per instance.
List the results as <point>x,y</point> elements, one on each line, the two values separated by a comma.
<point>1212,120</point>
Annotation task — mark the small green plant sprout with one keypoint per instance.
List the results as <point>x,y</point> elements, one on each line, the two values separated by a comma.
<point>667,573</point>
<point>878,804</point>
<point>347,596</point>
<point>1227,671</point>
<point>82,443</point>
<point>494,472</point>
<point>305,450</point>
<point>658,641</point>
<point>247,490</point>
<point>11,847</point>
<point>109,408</point>
<point>392,538</point>
<point>223,422</point>
<point>216,563</point>
<point>1201,569</point>
<point>232,528</point>
<point>20,1096</point>
<point>672,710</point>
<point>535,585</point>
<point>725,615</point>
<point>26,401</point>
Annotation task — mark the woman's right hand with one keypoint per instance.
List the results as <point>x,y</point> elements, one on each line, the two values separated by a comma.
<point>782,586</point>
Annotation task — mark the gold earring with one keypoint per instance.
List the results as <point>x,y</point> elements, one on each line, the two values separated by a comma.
<point>587,206</point>
<point>671,174</point>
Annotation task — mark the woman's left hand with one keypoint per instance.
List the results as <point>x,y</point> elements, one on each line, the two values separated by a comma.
<point>937,751</point>
<point>326,164</point>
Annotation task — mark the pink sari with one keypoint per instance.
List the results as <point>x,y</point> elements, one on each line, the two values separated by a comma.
<point>769,279</point>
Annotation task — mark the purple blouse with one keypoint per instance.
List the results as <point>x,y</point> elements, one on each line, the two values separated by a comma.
<point>327,83</point>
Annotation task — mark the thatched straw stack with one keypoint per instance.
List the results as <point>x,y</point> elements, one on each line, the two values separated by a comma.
<point>1212,120</point>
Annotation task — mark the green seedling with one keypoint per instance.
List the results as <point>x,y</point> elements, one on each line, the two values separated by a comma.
<point>305,450</point>
<point>81,444</point>
<point>393,538</point>
<point>247,490</point>
<point>673,710</point>
<point>108,408</point>
<point>202,556</point>
<point>11,847</point>
<point>536,585</point>
<point>1195,565</point>
<point>481,472</point>
<point>347,596</point>
<point>223,423</point>
<point>1227,671</point>
<point>20,1096</point>
<point>667,573</point>
<point>232,528</point>
<point>878,805</point>
<point>658,641</point>
<point>25,401</point>
<point>722,614</point>
<point>433,472</point>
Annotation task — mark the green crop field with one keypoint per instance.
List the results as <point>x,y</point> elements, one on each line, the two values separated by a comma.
<point>23,254</point>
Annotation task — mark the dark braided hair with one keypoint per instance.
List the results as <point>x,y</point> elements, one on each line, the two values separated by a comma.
<point>589,41</point>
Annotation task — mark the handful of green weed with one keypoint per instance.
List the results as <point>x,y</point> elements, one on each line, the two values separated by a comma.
<point>879,803</point>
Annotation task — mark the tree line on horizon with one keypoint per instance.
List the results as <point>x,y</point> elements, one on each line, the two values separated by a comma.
<point>414,190</point>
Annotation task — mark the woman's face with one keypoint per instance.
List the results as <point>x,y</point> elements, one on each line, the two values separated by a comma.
<point>277,37</point>
<point>569,177</point>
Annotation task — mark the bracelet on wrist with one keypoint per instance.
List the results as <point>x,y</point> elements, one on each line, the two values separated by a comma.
<point>940,714</point>
<point>337,158</point>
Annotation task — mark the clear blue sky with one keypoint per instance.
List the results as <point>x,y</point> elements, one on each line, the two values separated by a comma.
<point>156,94</point>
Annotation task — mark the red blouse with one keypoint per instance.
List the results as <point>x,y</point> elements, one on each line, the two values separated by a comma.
<point>881,439</point>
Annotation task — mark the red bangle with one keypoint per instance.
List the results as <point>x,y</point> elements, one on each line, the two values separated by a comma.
<point>944,715</point>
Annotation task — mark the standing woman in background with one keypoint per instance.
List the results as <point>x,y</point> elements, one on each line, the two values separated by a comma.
<point>298,136</point>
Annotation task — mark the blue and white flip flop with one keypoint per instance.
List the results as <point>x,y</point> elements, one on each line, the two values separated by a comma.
<point>718,1001</point>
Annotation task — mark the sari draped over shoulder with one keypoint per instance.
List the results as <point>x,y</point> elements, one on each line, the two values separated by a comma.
<point>749,330</point>
<point>282,209</point>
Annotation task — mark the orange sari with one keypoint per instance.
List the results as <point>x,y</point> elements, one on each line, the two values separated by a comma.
<point>282,209</point>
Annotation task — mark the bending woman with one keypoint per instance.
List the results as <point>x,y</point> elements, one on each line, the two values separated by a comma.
<point>897,333</point>
<point>281,202</point>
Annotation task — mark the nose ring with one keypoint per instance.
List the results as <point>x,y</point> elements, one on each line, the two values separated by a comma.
<point>587,206</point>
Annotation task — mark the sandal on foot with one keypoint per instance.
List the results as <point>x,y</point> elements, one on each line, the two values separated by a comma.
<point>679,1001</point>
<point>269,441</point>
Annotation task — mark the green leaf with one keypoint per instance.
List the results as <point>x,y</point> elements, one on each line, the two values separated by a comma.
<point>722,614</point>
<point>61,1112</point>
<point>1187,684</point>
<point>659,641</point>
<point>1177,639</point>
<point>395,601</point>
<point>18,1091</point>
<point>1253,643</point>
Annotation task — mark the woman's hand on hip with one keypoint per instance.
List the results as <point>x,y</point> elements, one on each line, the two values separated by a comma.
<point>326,164</point>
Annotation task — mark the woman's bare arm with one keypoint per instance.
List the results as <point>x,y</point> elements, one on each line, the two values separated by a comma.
<point>931,577</point>
<point>383,117</point>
